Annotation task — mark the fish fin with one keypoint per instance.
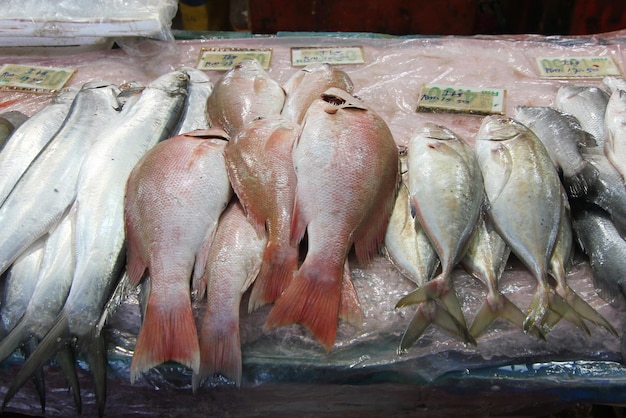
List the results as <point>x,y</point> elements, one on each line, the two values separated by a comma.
<point>578,185</point>
<point>38,379</point>
<point>199,278</point>
<point>97,360</point>
<point>298,224</point>
<point>65,360</point>
<point>503,159</point>
<point>168,333</point>
<point>349,306</point>
<point>312,300</point>
<point>586,311</point>
<point>220,349</point>
<point>13,339</point>
<point>500,308</point>
<point>53,341</point>
<point>135,265</point>
<point>428,313</point>
<point>276,271</point>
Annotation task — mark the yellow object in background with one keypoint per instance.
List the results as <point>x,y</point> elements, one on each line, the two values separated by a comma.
<point>202,15</point>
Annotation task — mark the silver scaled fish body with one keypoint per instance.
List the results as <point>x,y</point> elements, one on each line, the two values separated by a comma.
<point>446,194</point>
<point>615,120</point>
<point>588,105</point>
<point>524,203</point>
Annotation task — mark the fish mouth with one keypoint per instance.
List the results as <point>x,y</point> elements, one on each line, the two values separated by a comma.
<point>438,132</point>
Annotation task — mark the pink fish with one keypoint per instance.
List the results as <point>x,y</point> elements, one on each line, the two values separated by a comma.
<point>232,264</point>
<point>174,198</point>
<point>260,167</point>
<point>243,94</point>
<point>307,84</point>
<point>346,164</point>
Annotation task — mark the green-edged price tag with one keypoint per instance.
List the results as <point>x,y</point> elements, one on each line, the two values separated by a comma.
<point>332,55</point>
<point>33,78</point>
<point>455,99</point>
<point>223,59</point>
<point>576,67</point>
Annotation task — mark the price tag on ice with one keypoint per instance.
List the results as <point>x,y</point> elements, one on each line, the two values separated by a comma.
<point>574,67</point>
<point>32,78</point>
<point>457,99</point>
<point>332,55</point>
<point>223,59</point>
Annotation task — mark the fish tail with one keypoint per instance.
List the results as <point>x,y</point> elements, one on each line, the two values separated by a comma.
<point>56,339</point>
<point>277,269</point>
<point>38,378</point>
<point>586,311</point>
<point>13,339</point>
<point>500,307</point>
<point>65,359</point>
<point>220,349</point>
<point>97,359</point>
<point>168,333</point>
<point>349,305</point>
<point>312,300</point>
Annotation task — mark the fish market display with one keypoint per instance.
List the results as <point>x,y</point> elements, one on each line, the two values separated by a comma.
<point>263,177</point>
<point>284,245</point>
<point>232,265</point>
<point>243,94</point>
<point>174,198</point>
<point>446,194</point>
<point>615,121</point>
<point>307,84</point>
<point>346,164</point>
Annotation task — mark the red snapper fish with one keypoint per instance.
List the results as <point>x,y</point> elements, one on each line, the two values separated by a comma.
<point>174,198</point>
<point>261,171</point>
<point>243,94</point>
<point>346,164</point>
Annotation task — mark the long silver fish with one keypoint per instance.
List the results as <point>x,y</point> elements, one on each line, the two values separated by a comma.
<point>195,114</point>
<point>48,188</point>
<point>99,234</point>
<point>615,120</point>
<point>20,283</point>
<point>446,193</point>
<point>588,105</point>
<point>523,191</point>
<point>606,250</point>
<point>233,262</point>
<point>562,135</point>
<point>30,138</point>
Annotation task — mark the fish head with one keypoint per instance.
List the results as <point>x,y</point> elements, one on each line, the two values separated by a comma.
<point>500,128</point>
<point>173,82</point>
<point>336,98</point>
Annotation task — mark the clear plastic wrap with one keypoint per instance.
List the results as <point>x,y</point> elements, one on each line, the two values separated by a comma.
<point>287,365</point>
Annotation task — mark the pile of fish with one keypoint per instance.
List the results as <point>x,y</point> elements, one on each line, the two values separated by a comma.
<point>200,192</point>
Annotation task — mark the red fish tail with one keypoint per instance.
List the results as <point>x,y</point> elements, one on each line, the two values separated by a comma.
<point>220,348</point>
<point>168,333</point>
<point>277,269</point>
<point>349,305</point>
<point>312,300</point>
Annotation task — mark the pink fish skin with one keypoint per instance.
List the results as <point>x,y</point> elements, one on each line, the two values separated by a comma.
<point>308,84</point>
<point>232,264</point>
<point>174,198</point>
<point>346,164</point>
<point>243,94</point>
<point>260,167</point>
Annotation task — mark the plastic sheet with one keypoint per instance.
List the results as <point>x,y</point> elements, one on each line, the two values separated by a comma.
<point>287,365</point>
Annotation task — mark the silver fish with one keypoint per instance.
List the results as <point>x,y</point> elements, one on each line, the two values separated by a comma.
<point>446,192</point>
<point>524,202</point>
<point>613,83</point>
<point>99,233</point>
<point>588,105</point>
<point>195,114</point>
<point>615,120</point>
<point>562,135</point>
<point>30,139</point>
<point>48,188</point>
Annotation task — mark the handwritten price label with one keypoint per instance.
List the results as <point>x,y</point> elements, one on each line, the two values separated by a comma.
<point>34,79</point>
<point>461,100</point>
<point>577,67</point>
<point>223,59</point>
<point>336,55</point>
